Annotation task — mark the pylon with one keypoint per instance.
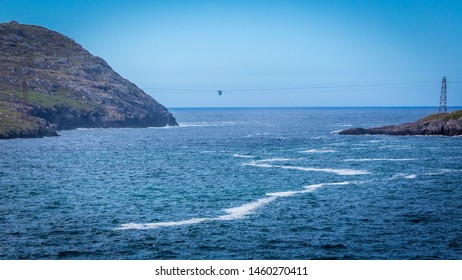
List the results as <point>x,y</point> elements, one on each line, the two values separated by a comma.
<point>443,98</point>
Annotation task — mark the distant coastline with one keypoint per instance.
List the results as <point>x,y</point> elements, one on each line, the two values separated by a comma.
<point>435,108</point>
<point>449,124</point>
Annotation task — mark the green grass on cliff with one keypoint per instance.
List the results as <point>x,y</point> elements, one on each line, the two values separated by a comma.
<point>11,120</point>
<point>60,98</point>
<point>444,117</point>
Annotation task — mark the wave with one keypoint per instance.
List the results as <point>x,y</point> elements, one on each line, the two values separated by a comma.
<point>163,127</point>
<point>193,124</point>
<point>256,135</point>
<point>234,213</point>
<point>284,194</point>
<point>442,171</point>
<point>240,212</point>
<point>85,128</point>
<point>273,160</point>
<point>380,159</point>
<point>208,152</point>
<point>205,124</point>
<point>399,147</point>
<point>162,224</point>
<point>343,172</point>
<point>312,188</point>
<point>307,189</point>
<point>404,175</point>
<point>242,156</point>
<point>321,151</point>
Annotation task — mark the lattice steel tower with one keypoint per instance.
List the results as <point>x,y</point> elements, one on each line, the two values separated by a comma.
<point>443,98</point>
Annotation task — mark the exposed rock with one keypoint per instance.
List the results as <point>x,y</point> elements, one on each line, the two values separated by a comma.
<point>66,86</point>
<point>436,124</point>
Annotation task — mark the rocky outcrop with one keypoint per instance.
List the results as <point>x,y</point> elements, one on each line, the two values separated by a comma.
<point>46,75</point>
<point>38,128</point>
<point>438,124</point>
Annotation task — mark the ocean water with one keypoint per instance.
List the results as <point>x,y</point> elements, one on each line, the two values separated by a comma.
<point>235,184</point>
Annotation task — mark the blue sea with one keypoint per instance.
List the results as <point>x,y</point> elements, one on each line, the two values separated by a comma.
<point>276,183</point>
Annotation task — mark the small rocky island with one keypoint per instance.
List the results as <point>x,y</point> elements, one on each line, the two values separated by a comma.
<point>449,124</point>
<point>48,82</point>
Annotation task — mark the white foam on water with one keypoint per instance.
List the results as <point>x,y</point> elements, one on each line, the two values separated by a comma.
<point>434,173</point>
<point>321,151</point>
<point>271,160</point>
<point>404,175</point>
<point>343,172</point>
<point>402,147</point>
<point>193,124</point>
<point>380,159</point>
<point>264,165</point>
<point>163,127</point>
<point>162,224</point>
<point>375,141</point>
<point>240,212</point>
<point>205,124</point>
<point>256,135</point>
<point>84,128</point>
<point>442,171</point>
<point>312,188</point>
<point>242,156</point>
<point>336,131</point>
<point>451,170</point>
<point>284,194</point>
<point>234,213</point>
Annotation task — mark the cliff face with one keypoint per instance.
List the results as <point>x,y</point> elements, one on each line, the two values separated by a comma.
<point>437,124</point>
<point>49,82</point>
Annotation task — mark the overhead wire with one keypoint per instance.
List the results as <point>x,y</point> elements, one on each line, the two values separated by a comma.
<point>311,87</point>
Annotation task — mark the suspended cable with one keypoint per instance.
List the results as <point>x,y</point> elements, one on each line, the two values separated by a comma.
<point>285,89</point>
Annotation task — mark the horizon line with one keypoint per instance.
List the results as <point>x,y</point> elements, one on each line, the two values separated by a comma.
<point>307,107</point>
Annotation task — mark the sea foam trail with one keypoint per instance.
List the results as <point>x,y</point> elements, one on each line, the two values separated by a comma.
<point>235,213</point>
<point>205,124</point>
<point>442,171</point>
<point>380,159</point>
<point>240,212</point>
<point>404,175</point>
<point>242,156</point>
<point>343,172</point>
<point>316,151</point>
<point>162,224</point>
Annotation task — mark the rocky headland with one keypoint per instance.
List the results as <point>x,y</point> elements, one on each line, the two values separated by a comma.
<point>437,124</point>
<point>48,82</point>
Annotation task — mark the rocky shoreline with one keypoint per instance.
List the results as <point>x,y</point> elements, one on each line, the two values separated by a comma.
<point>437,124</point>
<point>48,82</point>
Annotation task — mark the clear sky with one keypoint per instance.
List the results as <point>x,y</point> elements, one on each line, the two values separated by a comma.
<point>268,53</point>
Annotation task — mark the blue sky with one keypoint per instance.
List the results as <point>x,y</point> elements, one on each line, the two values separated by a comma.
<point>268,53</point>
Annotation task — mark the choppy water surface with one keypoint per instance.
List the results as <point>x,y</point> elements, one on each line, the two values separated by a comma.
<point>235,184</point>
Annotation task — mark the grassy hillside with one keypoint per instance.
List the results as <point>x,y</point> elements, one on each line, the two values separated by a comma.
<point>444,117</point>
<point>11,120</point>
<point>36,99</point>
